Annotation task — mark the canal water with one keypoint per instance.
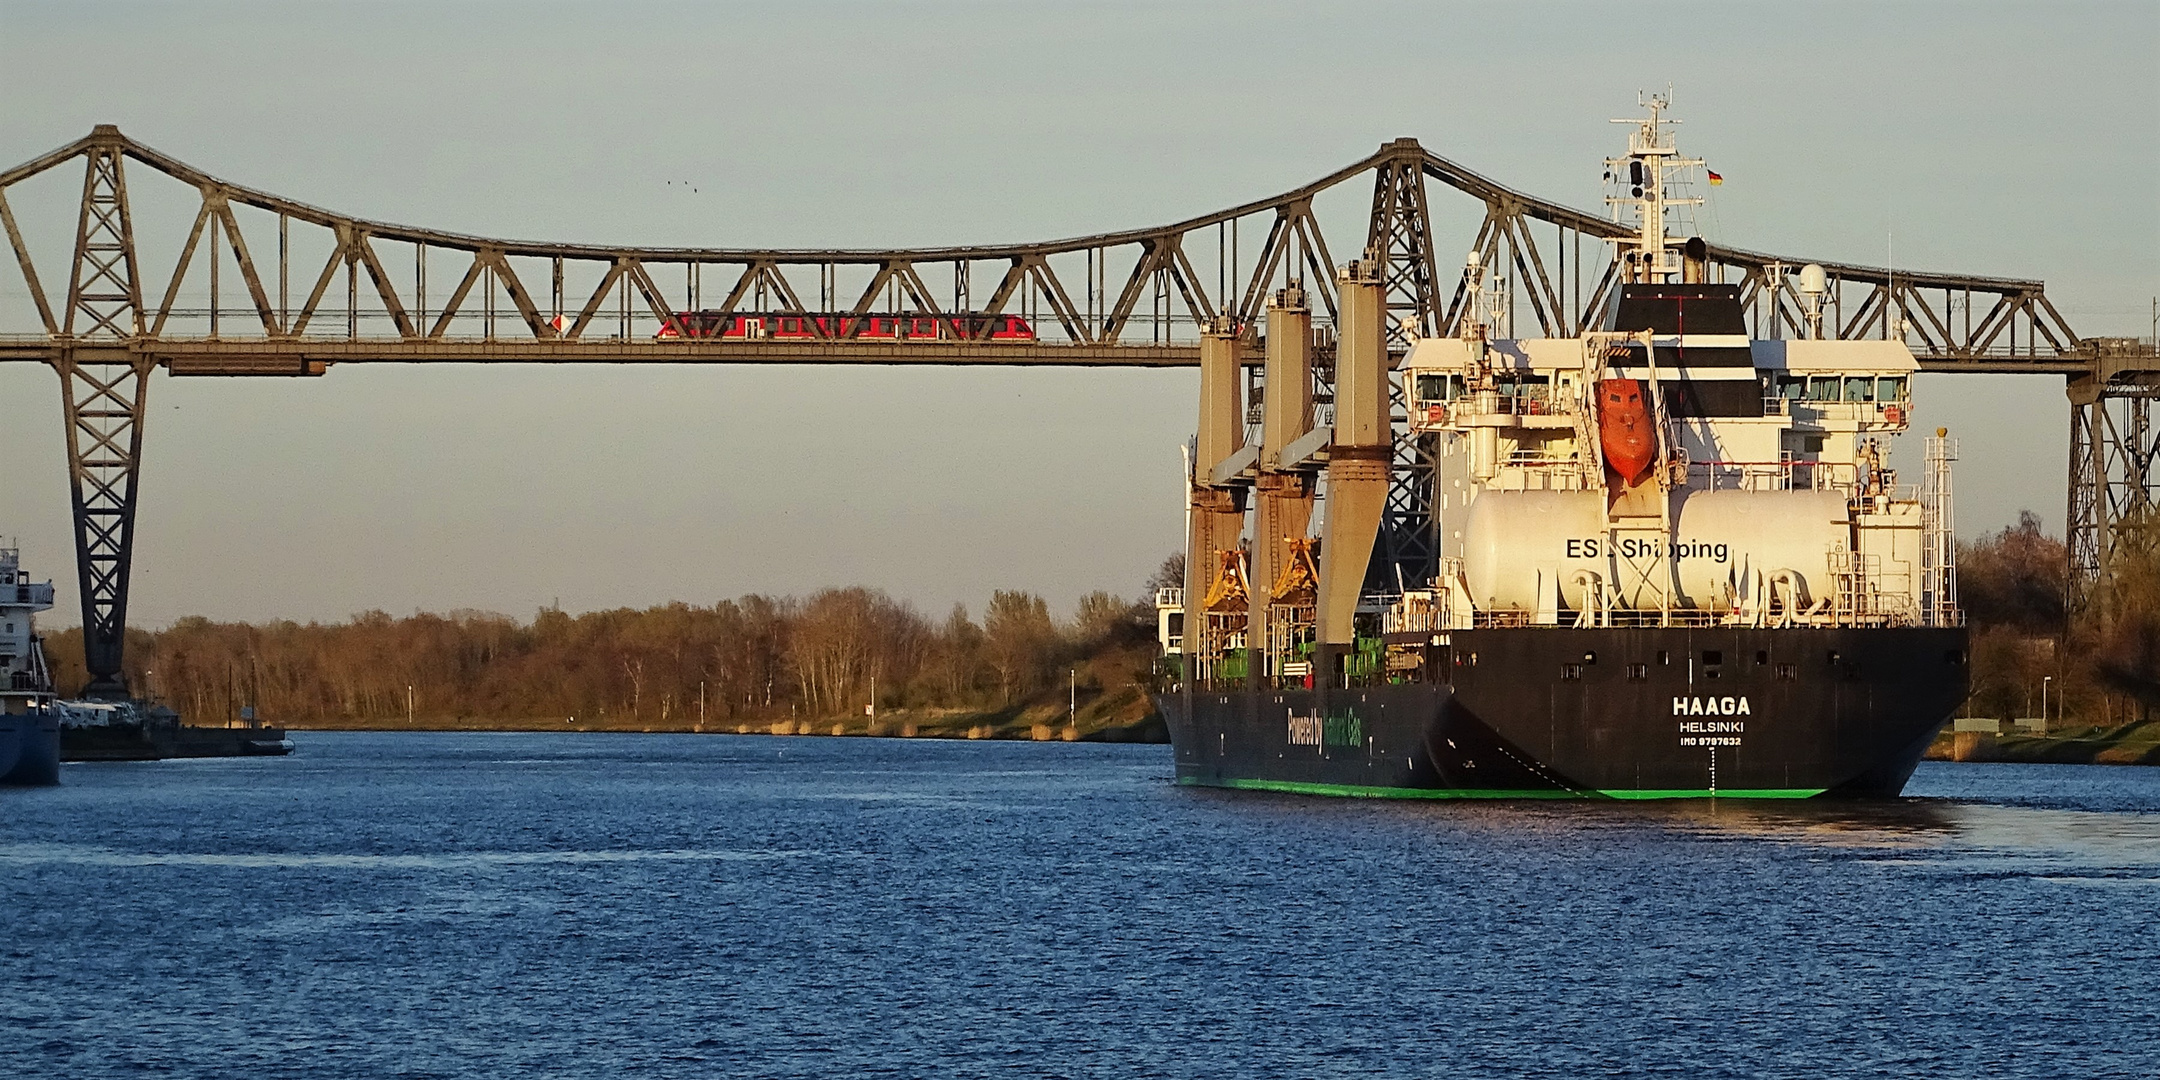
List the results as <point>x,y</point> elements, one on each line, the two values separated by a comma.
<point>488,905</point>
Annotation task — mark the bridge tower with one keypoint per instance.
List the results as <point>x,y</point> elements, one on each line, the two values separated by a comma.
<point>1399,245</point>
<point>2114,504</point>
<point>103,383</point>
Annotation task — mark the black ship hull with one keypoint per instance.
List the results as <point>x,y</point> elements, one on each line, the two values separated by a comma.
<point>29,749</point>
<point>1620,713</point>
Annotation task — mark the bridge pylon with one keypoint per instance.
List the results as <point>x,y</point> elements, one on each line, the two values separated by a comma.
<point>1399,243</point>
<point>103,387</point>
<point>2114,504</point>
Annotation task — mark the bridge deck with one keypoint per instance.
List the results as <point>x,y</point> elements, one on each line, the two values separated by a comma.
<point>308,356</point>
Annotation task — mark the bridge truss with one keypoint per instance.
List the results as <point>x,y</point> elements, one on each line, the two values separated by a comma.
<point>203,277</point>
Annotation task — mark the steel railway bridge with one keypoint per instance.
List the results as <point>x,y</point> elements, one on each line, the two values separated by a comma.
<point>203,277</point>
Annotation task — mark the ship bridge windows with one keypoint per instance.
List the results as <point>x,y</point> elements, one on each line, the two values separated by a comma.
<point>1435,386</point>
<point>1525,387</point>
<point>1846,388</point>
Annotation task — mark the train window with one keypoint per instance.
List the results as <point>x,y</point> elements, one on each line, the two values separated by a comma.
<point>1890,388</point>
<point>923,328</point>
<point>1822,388</point>
<point>791,326</point>
<point>1860,388</point>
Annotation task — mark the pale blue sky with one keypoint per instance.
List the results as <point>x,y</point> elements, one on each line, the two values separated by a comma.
<point>2013,139</point>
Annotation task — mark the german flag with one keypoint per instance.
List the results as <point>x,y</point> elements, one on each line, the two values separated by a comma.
<point>1715,179</point>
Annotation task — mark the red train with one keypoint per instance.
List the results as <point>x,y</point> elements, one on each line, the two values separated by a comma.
<point>871,326</point>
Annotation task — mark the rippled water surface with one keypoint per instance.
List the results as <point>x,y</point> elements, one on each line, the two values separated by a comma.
<point>494,905</point>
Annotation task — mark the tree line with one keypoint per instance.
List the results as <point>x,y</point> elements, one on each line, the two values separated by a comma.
<point>2097,664</point>
<point>750,658</point>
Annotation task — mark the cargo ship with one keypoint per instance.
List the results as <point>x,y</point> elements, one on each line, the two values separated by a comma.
<point>1670,560</point>
<point>29,722</point>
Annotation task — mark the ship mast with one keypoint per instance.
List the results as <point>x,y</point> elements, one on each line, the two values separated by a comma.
<point>1649,256</point>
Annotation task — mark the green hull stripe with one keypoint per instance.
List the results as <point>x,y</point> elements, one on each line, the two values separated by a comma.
<point>1367,791</point>
<point>1721,793</point>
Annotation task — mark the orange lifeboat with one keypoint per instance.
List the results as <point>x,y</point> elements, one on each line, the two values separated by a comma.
<point>1625,433</point>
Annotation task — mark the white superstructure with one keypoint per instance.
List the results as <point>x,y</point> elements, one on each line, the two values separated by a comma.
<point>1759,495</point>
<point>25,682</point>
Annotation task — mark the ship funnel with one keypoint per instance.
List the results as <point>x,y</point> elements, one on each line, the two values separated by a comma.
<point>1695,253</point>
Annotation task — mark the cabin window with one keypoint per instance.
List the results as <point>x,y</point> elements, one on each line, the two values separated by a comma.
<point>1890,388</point>
<point>1860,388</point>
<point>1791,387</point>
<point>1822,388</point>
<point>1664,658</point>
<point>1431,387</point>
<point>1530,387</point>
<point>1762,656</point>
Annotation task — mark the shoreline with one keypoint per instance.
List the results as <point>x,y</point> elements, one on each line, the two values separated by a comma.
<point>1011,724</point>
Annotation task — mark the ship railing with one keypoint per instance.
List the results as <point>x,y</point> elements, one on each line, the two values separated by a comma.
<point>1170,598</point>
<point>1538,404</point>
<point>1622,617</point>
<point>1417,612</point>
<point>1220,632</point>
<point>1784,474</point>
<point>1890,413</point>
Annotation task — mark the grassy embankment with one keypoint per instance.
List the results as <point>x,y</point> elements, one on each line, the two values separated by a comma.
<point>2122,744</point>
